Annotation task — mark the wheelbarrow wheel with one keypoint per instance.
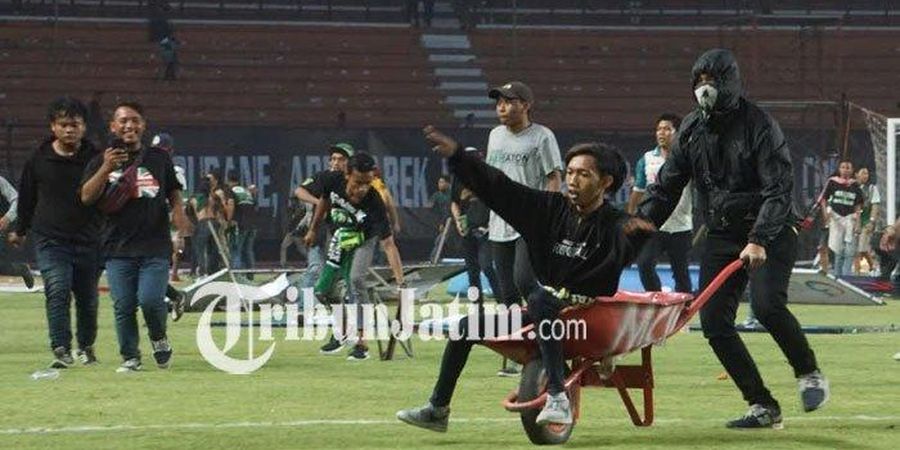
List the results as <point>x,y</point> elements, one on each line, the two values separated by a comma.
<point>532,382</point>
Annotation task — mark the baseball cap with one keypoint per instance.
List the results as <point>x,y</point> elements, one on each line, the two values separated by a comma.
<point>344,148</point>
<point>512,90</point>
<point>163,140</point>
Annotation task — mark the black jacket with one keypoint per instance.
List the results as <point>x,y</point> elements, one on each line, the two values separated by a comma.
<point>584,255</point>
<point>48,196</point>
<point>738,157</point>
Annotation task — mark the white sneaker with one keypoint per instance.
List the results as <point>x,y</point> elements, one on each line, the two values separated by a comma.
<point>814,390</point>
<point>556,410</point>
<point>130,365</point>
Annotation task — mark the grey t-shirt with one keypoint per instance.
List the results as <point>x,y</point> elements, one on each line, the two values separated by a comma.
<point>527,157</point>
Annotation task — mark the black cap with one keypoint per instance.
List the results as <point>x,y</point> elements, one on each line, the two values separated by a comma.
<point>512,90</point>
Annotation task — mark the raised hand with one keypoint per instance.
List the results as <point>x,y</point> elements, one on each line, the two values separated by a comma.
<point>441,143</point>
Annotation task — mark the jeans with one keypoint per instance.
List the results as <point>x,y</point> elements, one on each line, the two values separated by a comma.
<point>69,267</point>
<point>287,241</point>
<point>478,256</point>
<point>242,254</point>
<point>134,282</point>
<point>841,242</point>
<point>768,299</point>
<point>315,259</point>
<point>514,273</point>
<point>677,246</point>
<point>205,252</point>
<point>359,271</point>
<point>542,306</point>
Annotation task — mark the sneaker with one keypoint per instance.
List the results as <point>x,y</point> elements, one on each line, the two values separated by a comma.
<point>510,371</point>
<point>814,390</point>
<point>428,417</point>
<point>332,347</point>
<point>556,410</point>
<point>751,322</point>
<point>86,356</point>
<point>758,416</point>
<point>130,365</point>
<point>359,353</point>
<point>162,353</point>
<point>176,305</point>
<point>27,277</point>
<point>62,358</point>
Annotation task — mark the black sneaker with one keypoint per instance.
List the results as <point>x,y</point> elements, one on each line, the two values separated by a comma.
<point>130,365</point>
<point>162,353</point>
<point>332,347</point>
<point>814,391</point>
<point>27,277</point>
<point>86,356</point>
<point>427,417</point>
<point>359,353</point>
<point>175,304</point>
<point>758,416</point>
<point>62,358</point>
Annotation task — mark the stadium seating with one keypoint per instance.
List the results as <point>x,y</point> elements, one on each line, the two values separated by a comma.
<point>620,79</point>
<point>248,75</point>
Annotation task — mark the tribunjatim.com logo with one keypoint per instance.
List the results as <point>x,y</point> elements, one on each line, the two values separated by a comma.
<point>308,320</point>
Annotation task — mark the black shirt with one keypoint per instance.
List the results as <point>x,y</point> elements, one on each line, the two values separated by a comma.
<point>585,255</point>
<point>141,227</point>
<point>843,196</point>
<point>369,216</point>
<point>49,202</point>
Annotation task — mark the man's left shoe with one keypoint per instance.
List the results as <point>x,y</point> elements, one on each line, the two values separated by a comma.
<point>162,353</point>
<point>87,356</point>
<point>359,353</point>
<point>814,391</point>
<point>428,417</point>
<point>556,410</point>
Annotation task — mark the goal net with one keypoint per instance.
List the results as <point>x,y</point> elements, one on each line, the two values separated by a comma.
<point>883,132</point>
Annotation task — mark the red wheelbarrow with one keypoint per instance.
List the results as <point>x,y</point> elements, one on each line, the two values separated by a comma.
<point>613,326</point>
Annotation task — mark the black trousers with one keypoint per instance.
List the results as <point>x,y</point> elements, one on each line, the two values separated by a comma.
<point>479,258</point>
<point>676,246</point>
<point>768,299</point>
<point>514,273</point>
<point>543,308</point>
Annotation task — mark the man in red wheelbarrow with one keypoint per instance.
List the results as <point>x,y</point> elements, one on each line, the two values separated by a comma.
<point>741,166</point>
<point>578,245</point>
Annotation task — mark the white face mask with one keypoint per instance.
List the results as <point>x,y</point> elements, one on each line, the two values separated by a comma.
<point>706,96</point>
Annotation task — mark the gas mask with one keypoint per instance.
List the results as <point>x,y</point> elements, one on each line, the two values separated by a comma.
<point>706,95</point>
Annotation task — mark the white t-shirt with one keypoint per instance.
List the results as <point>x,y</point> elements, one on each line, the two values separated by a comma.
<point>645,173</point>
<point>526,157</point>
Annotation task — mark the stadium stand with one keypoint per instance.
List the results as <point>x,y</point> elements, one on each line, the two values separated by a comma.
<point>263,75</point>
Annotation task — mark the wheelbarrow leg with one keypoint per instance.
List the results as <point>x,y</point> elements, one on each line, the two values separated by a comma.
<point>636,377</point>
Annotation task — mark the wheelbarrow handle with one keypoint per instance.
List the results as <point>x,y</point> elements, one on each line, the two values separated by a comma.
<point>710,289</point>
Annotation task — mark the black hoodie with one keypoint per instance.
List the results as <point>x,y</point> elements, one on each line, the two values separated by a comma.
<point>48,196</point>
<point>584,255</point>
<point>737,155</point>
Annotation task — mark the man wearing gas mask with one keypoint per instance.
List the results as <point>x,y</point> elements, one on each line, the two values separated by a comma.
<point>741,166</point>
